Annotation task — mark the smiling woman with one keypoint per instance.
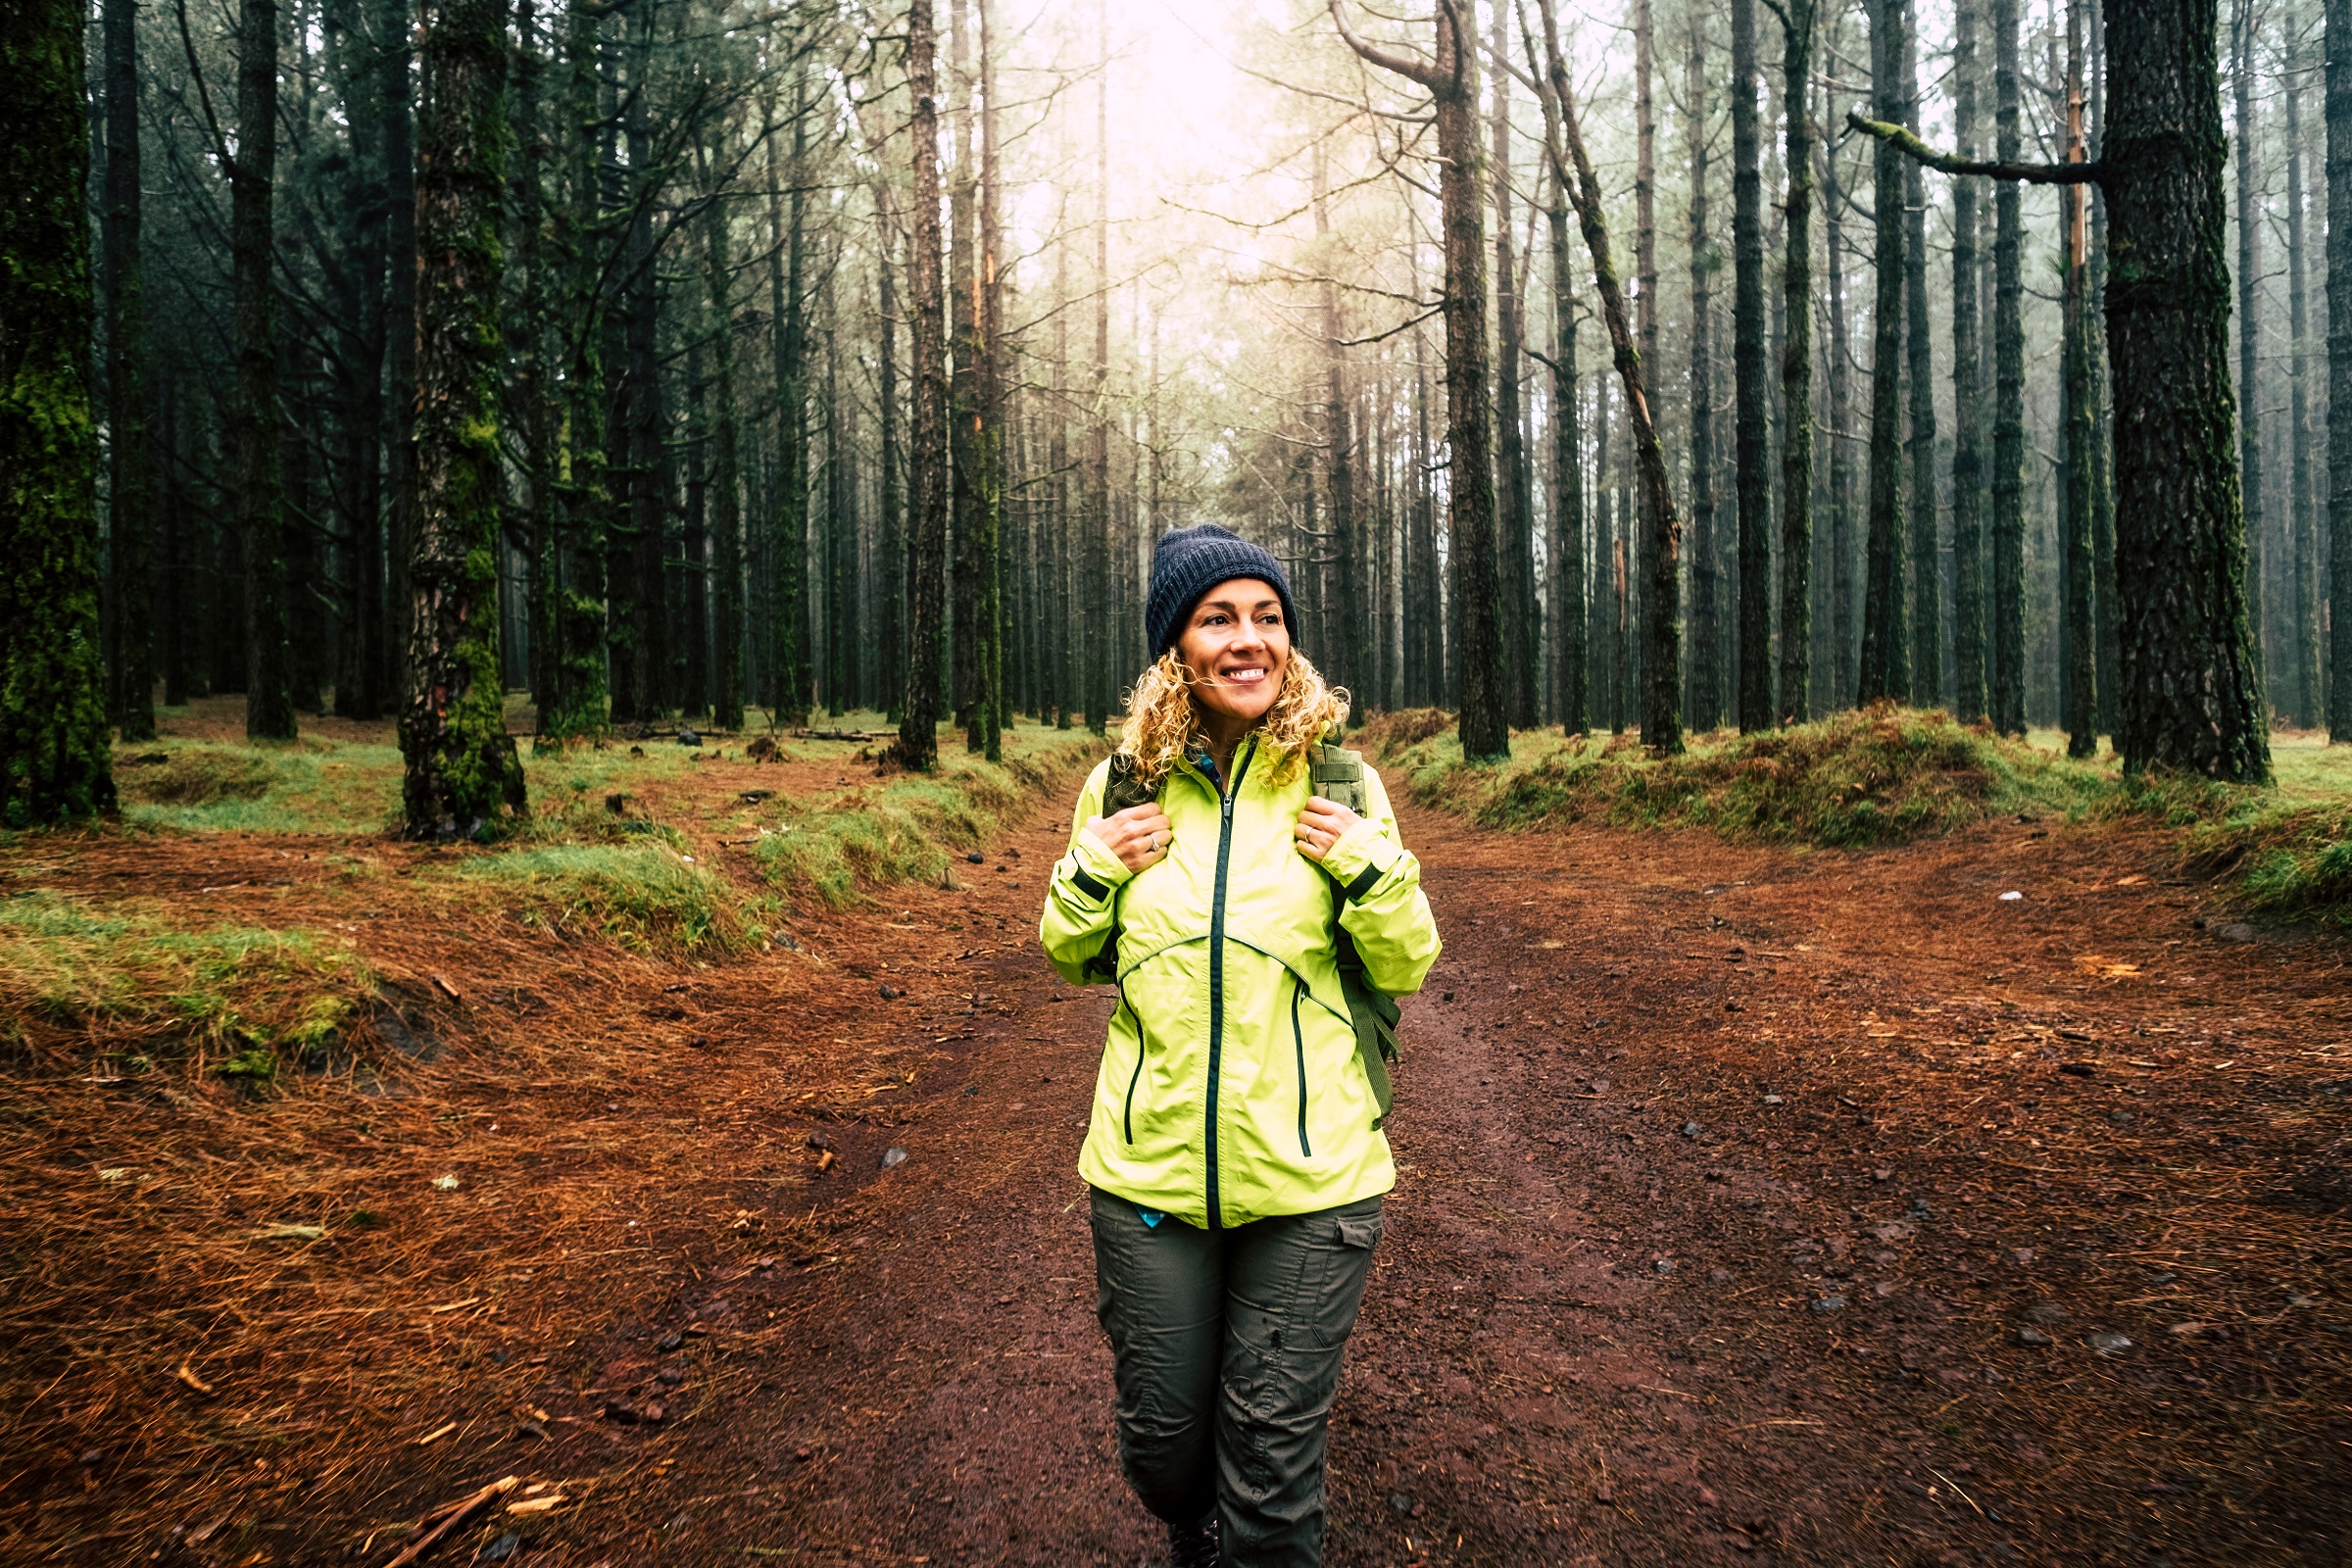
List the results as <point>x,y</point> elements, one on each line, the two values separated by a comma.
<point>1234,1149</point>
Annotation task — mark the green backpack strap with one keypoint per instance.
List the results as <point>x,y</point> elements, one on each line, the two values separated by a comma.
<point>1122,790</point>
<point>1338,775</point>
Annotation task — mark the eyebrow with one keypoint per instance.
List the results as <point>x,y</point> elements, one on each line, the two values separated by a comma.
<point>1226,603</point>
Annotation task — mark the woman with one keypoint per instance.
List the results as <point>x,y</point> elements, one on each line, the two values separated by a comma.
<point>1235,1151</point>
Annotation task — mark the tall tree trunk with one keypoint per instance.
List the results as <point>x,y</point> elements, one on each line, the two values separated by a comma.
<point>963,392</point>
<point>1750,438</point>
<point>128,520</point>
<point>253,426</point>
<point>357,63</point>
<point>1971,700</point>
<point>2339,112</point>
<point>1706,651</point>
<point>1452,79</point>
<point>395,29</point>
<point>989,288</point>
<point>460,774</point>
<point>2008,394</point>
<point>725,482</point>
<point>1645,307</point>
<point>1336,442</point>
<point>2249,317</point>
<point>2082,636</point>
<point>2192,684</point>
<point>1886,642</point>
<point>576,664</point>
<point>927,457</point>
<point>1797,372</point>
<point>1843,592</point>
<point>2302,525</point>
<point>892,631</point>
<point>55,763</point>
<point>1514,505</point>
<point>530,413</point>
<point>1101,623</point>
<point>639,612</point>
<point>788,596</point>
<point>1926,507</point>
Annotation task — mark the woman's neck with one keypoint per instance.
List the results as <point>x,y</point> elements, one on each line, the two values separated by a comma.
<point>1222,734</point>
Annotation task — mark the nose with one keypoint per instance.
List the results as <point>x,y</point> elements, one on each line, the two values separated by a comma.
<point>1249,636</point>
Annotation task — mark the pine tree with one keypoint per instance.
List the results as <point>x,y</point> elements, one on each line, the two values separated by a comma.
<point>1750,438</point>
<point>927,454</point>
<point>1885,637</point>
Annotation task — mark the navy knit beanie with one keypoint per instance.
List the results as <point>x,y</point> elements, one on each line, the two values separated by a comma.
<point>1187,562</point>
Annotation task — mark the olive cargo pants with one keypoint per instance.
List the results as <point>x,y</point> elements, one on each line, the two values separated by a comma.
<point>1226,1347</point>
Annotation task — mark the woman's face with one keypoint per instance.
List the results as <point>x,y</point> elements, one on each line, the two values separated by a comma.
<point>1237,649</point>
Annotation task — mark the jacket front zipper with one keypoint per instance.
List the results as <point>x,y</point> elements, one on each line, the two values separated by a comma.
<point>1298,1040</point>
<point>1141,1045</point>
<point>1216,970</point>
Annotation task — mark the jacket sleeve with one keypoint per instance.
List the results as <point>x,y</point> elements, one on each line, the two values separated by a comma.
<point>1078,897</point>
<point>1381,902</point>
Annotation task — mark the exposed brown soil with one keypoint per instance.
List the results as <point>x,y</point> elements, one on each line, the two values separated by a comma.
<point>1665,1101</point>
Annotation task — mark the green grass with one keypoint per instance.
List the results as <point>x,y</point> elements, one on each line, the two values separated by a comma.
<point>1889,776</point>
<point>256,994</point>
<point>907,828</point>
<point>311,785</point>
<point>647,898</point>
<point>1853,780</point>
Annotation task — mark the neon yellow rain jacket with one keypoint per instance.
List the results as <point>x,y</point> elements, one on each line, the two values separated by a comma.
<point>1230,1088</point>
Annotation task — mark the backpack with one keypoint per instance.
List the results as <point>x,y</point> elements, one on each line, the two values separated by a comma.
<point>1338,775</point>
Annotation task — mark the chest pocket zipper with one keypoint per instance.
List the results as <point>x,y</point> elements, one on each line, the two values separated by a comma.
<point>1141,1044</point>
<point>1298,1040</point>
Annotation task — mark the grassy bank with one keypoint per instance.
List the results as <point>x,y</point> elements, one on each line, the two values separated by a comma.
<point>1888,776</point>
<point>237,1000</point>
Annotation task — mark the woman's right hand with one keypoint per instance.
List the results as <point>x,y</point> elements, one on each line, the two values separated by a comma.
<point>1139,836</point>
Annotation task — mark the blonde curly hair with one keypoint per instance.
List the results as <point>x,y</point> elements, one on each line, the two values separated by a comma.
<point>1163,720</point>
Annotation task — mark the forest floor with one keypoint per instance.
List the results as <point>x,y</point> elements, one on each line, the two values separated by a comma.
<point>1754,1204</point>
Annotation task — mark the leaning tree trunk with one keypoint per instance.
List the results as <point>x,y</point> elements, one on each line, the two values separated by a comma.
<point>1886,647</point>
<point>462,776</point>
<point>1662,712</point>
<point>54,758</point>
<point>1750,437</point>
<point>927,457</point>
<point>1452,80</point>
<point>1796,374</point>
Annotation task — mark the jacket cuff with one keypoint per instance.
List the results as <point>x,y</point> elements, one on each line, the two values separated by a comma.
<point>1094,869</point>
<point>1362,856</point>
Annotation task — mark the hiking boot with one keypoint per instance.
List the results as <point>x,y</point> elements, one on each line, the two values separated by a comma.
<point>1195,1545</point>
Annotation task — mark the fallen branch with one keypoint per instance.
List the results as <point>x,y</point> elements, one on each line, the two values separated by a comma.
<point>451,1518</point>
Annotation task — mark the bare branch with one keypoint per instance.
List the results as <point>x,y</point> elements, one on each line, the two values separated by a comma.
<point>1387,60</point>
<point>1910,146</point>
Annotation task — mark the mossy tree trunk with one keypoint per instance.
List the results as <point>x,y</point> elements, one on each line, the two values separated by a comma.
<point>460,774</point>
<point>54,761</point>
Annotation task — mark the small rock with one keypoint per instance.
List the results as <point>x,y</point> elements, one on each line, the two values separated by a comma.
<point>1663,1265</point>
<point>1689,1129</point>
<point>2011,896</point>
<point>1884,1173</point>
<point>1919,1206</point>
<point>2046,1312</point>
<point>891,992</point>
<point>2032,1336</point>
<point>670,1342</point>
<point>687,737</point>
<point>2234,931</point>
<point>1829,1303</point>
<point>1773,1099</point>
<point>818,1140</point>
<point>1401,1502</point>
<point>1446,996</point>
<point>975,858</point>
<point>654,1411</point>
<point>670,1376</point>
<point>893,1159</point>
<point>2109,1344</point>
<point>498,1551</point>
<point>1719,1276</point>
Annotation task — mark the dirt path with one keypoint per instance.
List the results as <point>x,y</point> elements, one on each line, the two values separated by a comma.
<point>1730,1180</point>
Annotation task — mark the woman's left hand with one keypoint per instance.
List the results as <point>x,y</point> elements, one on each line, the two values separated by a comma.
<point>1321,825</point>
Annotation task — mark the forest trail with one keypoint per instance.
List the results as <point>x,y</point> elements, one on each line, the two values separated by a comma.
<point>1730,1177</point>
